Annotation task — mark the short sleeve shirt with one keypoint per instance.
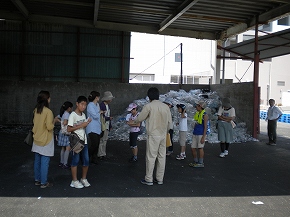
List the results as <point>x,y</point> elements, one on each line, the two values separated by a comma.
<point>227,113</point>
<point>131,117</point>
<point>182,122</point>
<point>75,120</point>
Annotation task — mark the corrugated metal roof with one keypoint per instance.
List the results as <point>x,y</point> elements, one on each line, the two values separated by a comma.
<point>205,19</point>
<point>272,45</point>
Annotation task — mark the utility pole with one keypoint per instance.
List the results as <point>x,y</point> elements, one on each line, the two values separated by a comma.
<point>181,60</point>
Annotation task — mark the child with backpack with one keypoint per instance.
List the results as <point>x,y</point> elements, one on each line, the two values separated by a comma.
<point>63,135</point>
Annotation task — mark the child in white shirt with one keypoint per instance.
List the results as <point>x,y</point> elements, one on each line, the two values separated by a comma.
<point>182,123</point>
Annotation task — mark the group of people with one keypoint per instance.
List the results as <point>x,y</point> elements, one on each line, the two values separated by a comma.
<point>93,130</point>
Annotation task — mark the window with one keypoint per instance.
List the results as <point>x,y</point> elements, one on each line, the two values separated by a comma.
<point>142,77</point>
<point>186,79</point>
<point>284,21</point>
<point>280,83</point>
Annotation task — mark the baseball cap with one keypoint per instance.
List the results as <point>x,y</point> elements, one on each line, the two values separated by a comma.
<point>131,106</point>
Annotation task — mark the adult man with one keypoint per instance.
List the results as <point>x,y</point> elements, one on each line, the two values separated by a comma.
<point>273,115</point>
<point>158,122</point>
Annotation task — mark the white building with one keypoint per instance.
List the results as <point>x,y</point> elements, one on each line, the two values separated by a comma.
<point>155,62</point>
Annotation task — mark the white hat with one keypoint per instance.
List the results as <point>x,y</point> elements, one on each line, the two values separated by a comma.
<point>131,106</point>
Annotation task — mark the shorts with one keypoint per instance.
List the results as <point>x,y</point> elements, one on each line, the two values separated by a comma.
<point>133,139</point>
<point>83,155</point>
<point>182,138</point>
<point>196,141</point>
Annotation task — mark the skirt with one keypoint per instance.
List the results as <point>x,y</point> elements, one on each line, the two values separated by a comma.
<point>63,140</point>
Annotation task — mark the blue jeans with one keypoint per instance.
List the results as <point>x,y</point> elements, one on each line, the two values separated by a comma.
<point>41,164</point>
<point>84,155</point>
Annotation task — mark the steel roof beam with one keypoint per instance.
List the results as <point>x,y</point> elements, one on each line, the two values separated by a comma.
<point>20,6</point>
<point>266,17</point>
<point>185,6</point>
<point>66,2</point>
<point>96,11</point>
<point>112,26</point>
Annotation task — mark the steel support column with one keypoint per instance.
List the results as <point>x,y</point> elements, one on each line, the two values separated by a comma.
<point>256,98</point>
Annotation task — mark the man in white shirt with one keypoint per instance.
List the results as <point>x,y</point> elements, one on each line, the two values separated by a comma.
<point>273,115</point>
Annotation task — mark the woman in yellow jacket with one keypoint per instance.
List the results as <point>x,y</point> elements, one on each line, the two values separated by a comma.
<point>43,142</point>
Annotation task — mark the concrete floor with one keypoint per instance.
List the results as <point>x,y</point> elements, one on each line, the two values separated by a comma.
<point>252,172</point>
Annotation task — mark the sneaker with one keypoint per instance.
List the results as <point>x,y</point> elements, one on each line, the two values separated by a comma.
<point>85,183</point>
<point>158,182</point>
<point>222,154</point>
<point>169,153</point>
<point>65,166</point>
<point>60,164</point>
<point>192,164</point>
<point>37,183</point>
<point>133,160</point>
<point>180,157</point>
<point>76,184</point>
<point>146,183</point>
<point>226,152</point>
<point>198,165</point>
<point>47,185</point>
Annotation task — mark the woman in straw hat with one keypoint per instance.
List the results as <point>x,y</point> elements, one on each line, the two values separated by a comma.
<point>226,115</point>
<point>105,108</point>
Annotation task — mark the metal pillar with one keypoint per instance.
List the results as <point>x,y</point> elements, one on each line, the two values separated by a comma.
<point>181,73</point>
<point>256,99</point>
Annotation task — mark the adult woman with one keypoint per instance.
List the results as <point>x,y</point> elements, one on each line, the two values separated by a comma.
<point>226,115</point>
<point>94,130</point>
<point>43,142</point>
<point>105,108</point>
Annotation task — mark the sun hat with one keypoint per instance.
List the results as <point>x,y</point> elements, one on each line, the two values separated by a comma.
<point>131,106</point>
<point>201,103</point>
<point>226,102</point>
<point>107,96</point>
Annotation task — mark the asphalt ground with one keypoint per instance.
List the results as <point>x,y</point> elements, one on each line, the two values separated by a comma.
<point>252,172</point>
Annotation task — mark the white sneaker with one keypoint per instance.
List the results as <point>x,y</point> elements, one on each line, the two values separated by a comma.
<point>85,183</point>
<point>222,154</point>
<point>76,184</point>
<point>226,152</point>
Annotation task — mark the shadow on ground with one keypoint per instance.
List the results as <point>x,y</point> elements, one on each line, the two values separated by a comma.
<point>251,169</point>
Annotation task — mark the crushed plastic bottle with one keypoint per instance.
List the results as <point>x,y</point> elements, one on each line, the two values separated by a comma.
<point>121,131</point>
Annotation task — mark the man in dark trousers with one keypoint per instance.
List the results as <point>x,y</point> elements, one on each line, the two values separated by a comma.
<point>273,115</point>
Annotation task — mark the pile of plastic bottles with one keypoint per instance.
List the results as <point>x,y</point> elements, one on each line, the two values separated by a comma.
<point>120,129</point>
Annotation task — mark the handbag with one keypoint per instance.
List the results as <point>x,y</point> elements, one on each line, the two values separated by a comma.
<point>168,141</point>
<point>103,123</point>
<point>29,138</point>
<point>76,144</point>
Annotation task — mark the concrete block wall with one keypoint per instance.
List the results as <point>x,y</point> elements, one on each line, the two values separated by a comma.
<point>18,98</point>
<point>241,97</point>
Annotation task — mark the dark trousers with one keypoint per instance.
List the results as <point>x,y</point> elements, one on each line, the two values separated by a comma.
<point>94,142</point>
<point>170,148</point>
<point>272,127</point>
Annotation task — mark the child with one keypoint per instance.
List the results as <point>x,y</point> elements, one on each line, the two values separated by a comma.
<point>199,133</point>
<point>134,130</point>
<point>63,135</point>
<point>76,123</point>
<point>182,122</point>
